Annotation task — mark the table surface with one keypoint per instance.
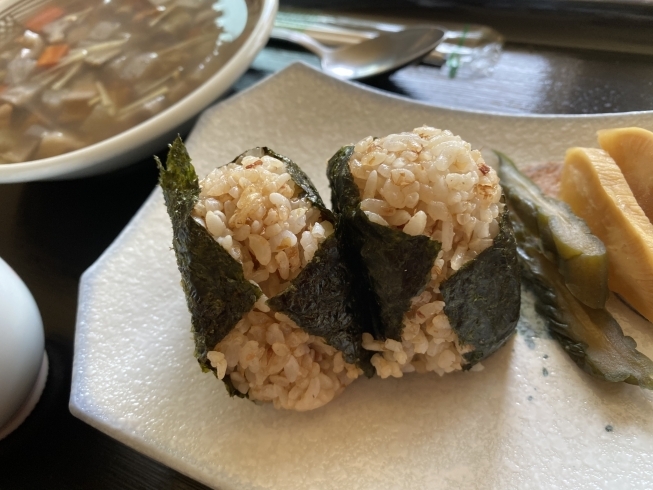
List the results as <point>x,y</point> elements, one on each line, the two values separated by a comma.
<point>50,232</point>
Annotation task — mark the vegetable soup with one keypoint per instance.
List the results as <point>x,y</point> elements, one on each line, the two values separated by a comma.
<point>77,72</point>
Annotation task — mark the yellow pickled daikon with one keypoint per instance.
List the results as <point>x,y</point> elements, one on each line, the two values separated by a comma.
<point>632,150</point>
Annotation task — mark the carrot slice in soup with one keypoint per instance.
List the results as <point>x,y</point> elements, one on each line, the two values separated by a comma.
<point>43,18</point>
<point>52,54</point>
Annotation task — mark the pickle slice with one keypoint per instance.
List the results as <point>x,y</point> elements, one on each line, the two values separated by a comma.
<point>564,238</point>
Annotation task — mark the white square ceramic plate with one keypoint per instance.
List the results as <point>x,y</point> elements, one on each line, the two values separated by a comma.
<point>508,426</point>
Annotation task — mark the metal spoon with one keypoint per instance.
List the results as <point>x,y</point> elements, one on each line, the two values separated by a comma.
<point>384,53</point>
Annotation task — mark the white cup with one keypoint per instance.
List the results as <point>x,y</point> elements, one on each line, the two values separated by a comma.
<point>23,361</point>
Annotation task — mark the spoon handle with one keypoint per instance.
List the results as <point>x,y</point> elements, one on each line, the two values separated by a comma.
<point>300,38</point>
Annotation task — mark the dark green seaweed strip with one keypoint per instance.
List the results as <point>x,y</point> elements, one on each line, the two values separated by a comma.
<point>217,293</point>
<point>591,337</point>
<point>317,300</point>
<point>399,268</point>
<point>364,301</point>
<point>345,195</point>
<point>394,266</point>
<point>482,299</point>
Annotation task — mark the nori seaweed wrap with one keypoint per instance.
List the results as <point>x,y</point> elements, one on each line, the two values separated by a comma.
<point>423,227</point>
<point>264,279</point>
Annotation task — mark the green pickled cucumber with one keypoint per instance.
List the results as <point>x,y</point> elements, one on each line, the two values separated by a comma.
<point>565,238</point>
<point>591,337</point>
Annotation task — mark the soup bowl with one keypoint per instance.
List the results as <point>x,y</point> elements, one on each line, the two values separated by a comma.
<point>246,25</point>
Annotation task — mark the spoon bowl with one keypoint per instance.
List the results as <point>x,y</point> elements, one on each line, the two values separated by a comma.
<point>385,53</point>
